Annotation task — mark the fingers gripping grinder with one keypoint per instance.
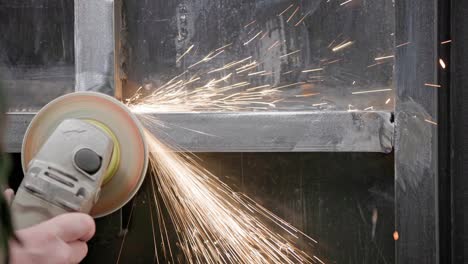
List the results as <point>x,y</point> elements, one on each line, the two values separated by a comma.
<point>83,152</point>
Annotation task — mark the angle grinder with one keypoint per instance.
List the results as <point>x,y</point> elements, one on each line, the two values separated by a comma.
<point>82,152</point>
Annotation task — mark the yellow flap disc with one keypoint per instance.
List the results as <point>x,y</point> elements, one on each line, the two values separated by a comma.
<point>128,168</point>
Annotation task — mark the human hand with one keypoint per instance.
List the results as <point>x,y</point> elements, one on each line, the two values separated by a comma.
<point>60,240</point>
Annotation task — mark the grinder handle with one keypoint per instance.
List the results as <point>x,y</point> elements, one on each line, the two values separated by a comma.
<point>28,210</point>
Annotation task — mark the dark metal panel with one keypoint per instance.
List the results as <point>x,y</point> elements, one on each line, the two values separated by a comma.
<point>416,132</point>
<point>459,129</point>
<point>256,132</point>
<point>36,51</point>
<point>333,204</point>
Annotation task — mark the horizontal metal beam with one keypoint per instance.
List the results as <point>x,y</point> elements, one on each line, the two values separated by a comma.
<point>338,131</point>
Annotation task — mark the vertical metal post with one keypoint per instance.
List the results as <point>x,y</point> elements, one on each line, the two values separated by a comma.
<point>416,143</point>
<point>94,46</point>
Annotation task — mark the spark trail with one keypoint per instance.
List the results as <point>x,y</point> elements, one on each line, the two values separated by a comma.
<point>215,224</point>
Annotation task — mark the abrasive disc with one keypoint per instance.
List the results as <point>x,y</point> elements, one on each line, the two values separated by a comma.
<point>118,118</point>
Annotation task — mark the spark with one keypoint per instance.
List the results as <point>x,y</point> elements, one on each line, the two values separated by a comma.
<point>315,257</point>
<point>402,44</point>
<point>223,47</point>
<point>258,87</point>
<point>330,62</point>
<point>307,95</point>
<point>292,15</point>
<point>286,10</point>
<point>396,236</point>
<point>302,19</point>
<point>369,108</point>
<point>288,72</point>
<point>313,70</point>
<point>254,37</point>
<point>247,67</point>
<point>388,101</point>
<point>342,46</point>
<point>376,64</point>
<point>215,224</point>
<point>125,234</point>
<point>430,122</point>
<point>249,24</point>
<point>433,85</point>
<point>446,42</point>
<point>264,35</point>
<point>266,73</point>
<point>372,91</point>
<point>289,85</point>
<point>319,104</point>
<point>196,94</point>
<point>274,44</point>
<point>442,63</point>
<point>256,73</point>
<point>346,2</point>
<point>291,53</point>
<point>333,42</point>
<point>384,57</point>
<point>185,53</point>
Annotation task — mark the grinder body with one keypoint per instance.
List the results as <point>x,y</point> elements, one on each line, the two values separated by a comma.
<point>72,160</point>
<point>65,175</point>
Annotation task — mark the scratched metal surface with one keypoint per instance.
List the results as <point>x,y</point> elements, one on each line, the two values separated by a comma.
<point>159,32</point>
<point>416,141</point>
<point>36,51</point>
<point>256,132</point>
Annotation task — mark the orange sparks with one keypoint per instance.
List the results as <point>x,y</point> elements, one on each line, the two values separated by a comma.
<point>254,37</point>
<point>273,45</point>
<point>292,15</point>
<point>384,57</point>
<point>376,64</point>
<point>346,2</point>
<point>388,101</point>
<point>402,44</point>
<point>313,70</point>
<point>289,85</point>
<point>330,62</point>
<point>307,95</point>
<point>302,19</point>
<point>291,53</point>
<point>396,236</point>
<point>249,24</point>
<point>372,91</point>
<point>256,73</point>
<point>433,85</point>
<point>342,46</point>
<point>442,63</point>
<point>446,42</point>
<point>185,53</point>
<point>430,122</point>
<point>286,10</point>
<point>319,104</point>
<point>223,47</point>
